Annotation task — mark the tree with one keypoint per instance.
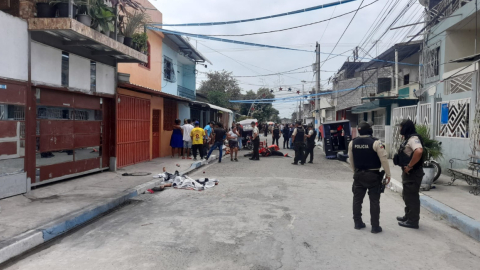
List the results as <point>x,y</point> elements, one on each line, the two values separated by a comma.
<point>224,87</point>
<point>263,112</point>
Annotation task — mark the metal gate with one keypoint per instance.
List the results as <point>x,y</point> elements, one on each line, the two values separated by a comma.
<point>133,130</point>
<point>156,134</point>
<point>398,115</point>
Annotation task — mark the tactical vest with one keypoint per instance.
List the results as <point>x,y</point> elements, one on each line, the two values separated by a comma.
<point>364,157</point>
<point>276,132</point>
<point>311,140</point>
<point>300,135</point>
<point>403,159</point>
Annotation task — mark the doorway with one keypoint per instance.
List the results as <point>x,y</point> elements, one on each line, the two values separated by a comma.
<point>156,134</point>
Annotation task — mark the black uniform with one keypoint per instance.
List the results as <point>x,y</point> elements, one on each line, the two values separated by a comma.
<point>299,145</point>
<point>256,145</point>
<point>366,177</point>
<point>411,182</point>
<point>276,136</point>
<point>310,147</point>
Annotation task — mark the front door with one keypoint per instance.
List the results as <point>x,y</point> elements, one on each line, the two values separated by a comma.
<point>156,134</point>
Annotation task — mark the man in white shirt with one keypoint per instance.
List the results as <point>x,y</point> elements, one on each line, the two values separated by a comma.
<point>256,142</point>
<point>187,140</point>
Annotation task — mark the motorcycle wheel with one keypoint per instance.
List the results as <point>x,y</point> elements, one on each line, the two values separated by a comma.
<point>438,170</point>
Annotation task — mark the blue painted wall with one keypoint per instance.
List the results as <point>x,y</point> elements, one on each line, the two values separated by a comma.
<point>170,87</point>
<point>184,73</point>
<point>183,111</point>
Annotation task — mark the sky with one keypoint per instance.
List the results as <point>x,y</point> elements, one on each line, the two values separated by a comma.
<point>244,60</point>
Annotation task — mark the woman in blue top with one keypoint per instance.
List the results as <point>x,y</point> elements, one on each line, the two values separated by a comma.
<point>176,141</point>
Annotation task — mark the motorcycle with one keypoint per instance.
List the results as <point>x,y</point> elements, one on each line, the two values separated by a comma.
<point>249,144</point>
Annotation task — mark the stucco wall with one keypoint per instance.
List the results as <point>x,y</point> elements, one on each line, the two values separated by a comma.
<point>105,79</point>
<point>183,110</point>
<point>46,64</point>
<point>186,76</point>
<point>458,44</point>
<point>79,78</point>
<point>148,77</point>
<point>13,47</point>
<point>170,87</point>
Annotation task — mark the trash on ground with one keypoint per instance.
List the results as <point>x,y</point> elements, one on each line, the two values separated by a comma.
<point>184,182</point>
<point>136,174</point>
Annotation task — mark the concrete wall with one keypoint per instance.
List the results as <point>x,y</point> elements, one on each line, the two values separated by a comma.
<point>170,87</point>
<point>46,65</point>
<point>79,78</point>
<point>458,44</point>
<point>186,76</point>
<point>105,79</point>
<point>148,77</point>
<point>183,110</point>
<point>13,47</point>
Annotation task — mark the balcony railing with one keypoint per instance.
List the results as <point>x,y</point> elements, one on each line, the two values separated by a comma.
<point>448,7</point>
<point>185,92</point>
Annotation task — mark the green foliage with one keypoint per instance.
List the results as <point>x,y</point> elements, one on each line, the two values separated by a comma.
<point>103,16</point>
<point>140,41</point>
<point>135,22</point>
<point>218,98</point>
<point>222,82</point>
<point>432,148</point>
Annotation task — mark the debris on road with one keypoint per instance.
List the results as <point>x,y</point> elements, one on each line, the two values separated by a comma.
<point>136,174</point>
<point>184,182</point>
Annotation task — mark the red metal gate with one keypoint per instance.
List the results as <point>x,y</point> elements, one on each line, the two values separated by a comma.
<point>156,134</point>
<point>133,130</point>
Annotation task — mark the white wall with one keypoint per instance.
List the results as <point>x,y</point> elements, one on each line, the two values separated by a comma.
<point>13,47</point>
<point>46,65</point>
<point>105,79</point>
<point>79,73</point>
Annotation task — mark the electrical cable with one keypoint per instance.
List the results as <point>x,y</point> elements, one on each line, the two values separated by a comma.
<point>291,28</point>
<point>343,32</point>
<point>262,18</point>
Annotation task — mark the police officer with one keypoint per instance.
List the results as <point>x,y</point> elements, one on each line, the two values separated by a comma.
<point>310,143</point>
<point>367,154</point>
<point>298,139</point>
<point>409,157</point>
<point>275,135</point>
<point>256,141</point>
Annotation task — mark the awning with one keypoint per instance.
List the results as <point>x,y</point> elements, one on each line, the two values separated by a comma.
<point>187,48</point>
<point>219,108</point>
<point>211,106</point>
<point>382,103</point>
<point>139,88</point>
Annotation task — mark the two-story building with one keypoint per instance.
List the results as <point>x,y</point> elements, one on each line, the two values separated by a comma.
<point>57,97</point>
<point>448,97</point>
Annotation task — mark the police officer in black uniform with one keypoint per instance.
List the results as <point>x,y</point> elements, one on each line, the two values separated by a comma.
<point>298,138</point>
<point>310,143</point>
<point>367,154</point>
<point>276,135</point>
<point>410,158</point>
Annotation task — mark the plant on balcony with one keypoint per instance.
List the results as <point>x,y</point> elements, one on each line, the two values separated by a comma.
<point>123,4</point>
<point>140,42</point>
<point>45,8</point>
<point>103,17</point>
<point>135,21</point>
<point>62,7</point>
<point>84,12</point>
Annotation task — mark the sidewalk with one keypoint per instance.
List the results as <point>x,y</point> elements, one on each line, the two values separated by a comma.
<point>46,212</point>
<point>454,203</point>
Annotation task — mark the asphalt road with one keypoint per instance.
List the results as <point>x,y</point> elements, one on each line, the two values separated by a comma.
<point>263,215</point>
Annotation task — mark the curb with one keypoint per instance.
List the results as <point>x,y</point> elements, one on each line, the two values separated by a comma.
<point>19,244</point>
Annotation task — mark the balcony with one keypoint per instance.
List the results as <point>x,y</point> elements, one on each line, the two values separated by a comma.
<point>448,7</point>
<point>185,92</point>
<point>72,36</point>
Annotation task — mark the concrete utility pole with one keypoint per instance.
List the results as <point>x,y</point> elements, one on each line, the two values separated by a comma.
<point>317,87</point>
<point>396,71</point>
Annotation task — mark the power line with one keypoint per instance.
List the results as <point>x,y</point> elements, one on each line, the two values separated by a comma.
<point>262,18</point>
<point>290,28</point>
<point>344,31</point>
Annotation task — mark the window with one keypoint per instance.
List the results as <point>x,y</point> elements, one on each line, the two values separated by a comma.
<point>168,70</point>
<point>93,76</point>
<point>406,79</point>
<point>170,114</point>
<point>384,85</point>
<point>147,65</point>
<point>65,62</point>
<point>432,62</point>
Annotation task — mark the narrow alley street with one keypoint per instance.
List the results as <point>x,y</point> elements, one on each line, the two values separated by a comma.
<point>263,215</point>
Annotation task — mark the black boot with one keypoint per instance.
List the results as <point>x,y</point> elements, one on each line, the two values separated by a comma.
<point>408,224</point>
<point>404,218</point>
<point>376,229</point>
<point>359,225</point>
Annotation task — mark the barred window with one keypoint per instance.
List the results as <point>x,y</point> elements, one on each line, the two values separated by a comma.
<point>168,70</point>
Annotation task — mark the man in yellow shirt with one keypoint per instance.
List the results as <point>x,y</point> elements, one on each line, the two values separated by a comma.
<point>198,138</point>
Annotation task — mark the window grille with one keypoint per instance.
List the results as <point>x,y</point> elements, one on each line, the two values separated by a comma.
<point>459,84</point>
<point>453,118</point>
<point>432,62</point>
<point>168,70</point>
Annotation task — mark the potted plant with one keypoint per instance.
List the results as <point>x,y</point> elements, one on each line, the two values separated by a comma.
<point>84,13</point>
<point>120,26</point>
<point>62,7</point>
<point>140,42</point>
<point>45,9</point>
<point>432,150</point>
<point>134,22</point>
<point>103,17</point>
